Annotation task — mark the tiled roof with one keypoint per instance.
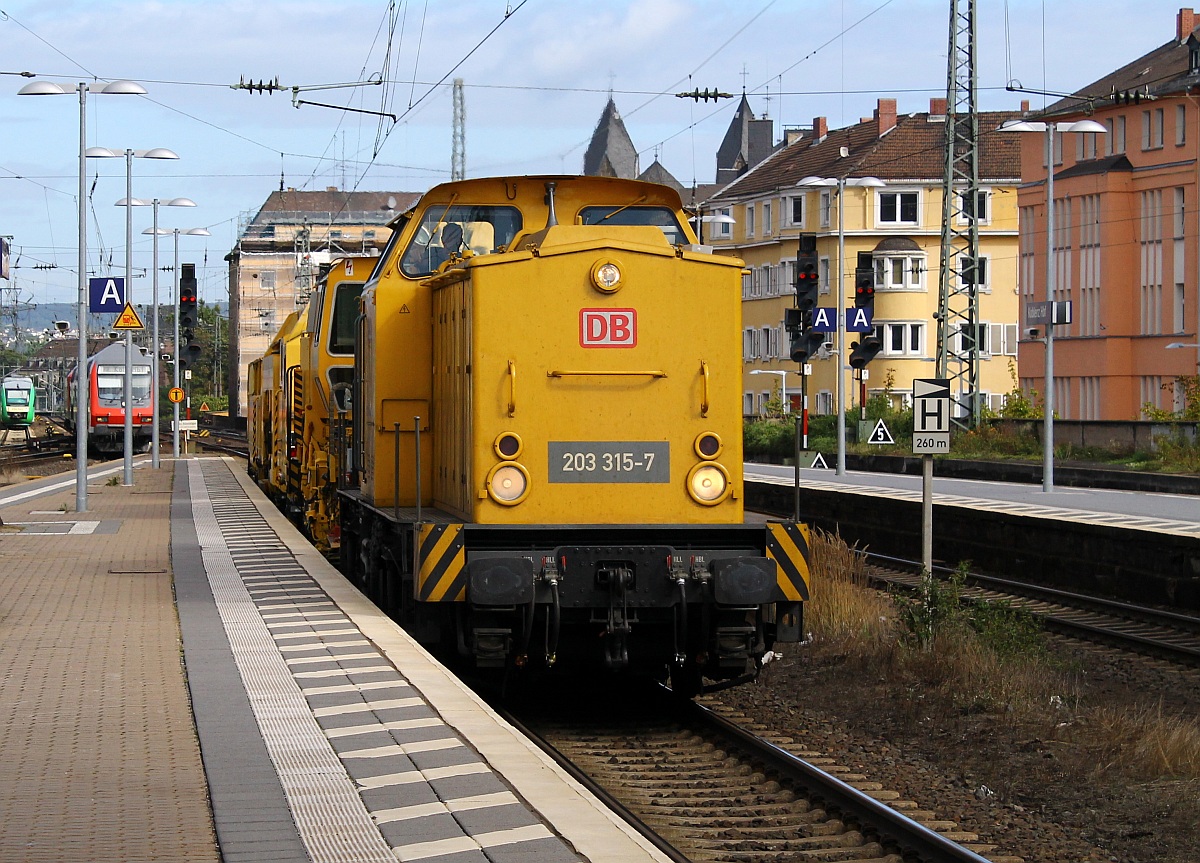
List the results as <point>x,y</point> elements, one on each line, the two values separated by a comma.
<point>1163,71</point>
<point>334,205</point>
<point>914,149</point>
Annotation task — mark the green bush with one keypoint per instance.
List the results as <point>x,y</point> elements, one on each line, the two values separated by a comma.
<point>769,438</point>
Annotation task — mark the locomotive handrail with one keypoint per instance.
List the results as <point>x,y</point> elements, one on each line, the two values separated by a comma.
<point>704,393</point>
<point>512,388</point>
<point>610,372</point>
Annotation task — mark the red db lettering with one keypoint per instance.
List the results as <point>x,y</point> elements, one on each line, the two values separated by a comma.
<point>608,328</point>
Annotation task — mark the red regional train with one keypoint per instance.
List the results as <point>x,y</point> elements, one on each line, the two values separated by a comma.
<point>106,400</point>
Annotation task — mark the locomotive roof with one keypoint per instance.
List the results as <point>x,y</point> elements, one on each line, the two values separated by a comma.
<point>609,190</point>
<point>115,353</point>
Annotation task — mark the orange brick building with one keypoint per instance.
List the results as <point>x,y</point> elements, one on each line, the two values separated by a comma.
<point>1126,220</point>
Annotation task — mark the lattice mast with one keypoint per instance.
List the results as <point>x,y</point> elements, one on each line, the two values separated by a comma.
<point>458,152</point>
<point>305,274</point>
<point>958,300</point>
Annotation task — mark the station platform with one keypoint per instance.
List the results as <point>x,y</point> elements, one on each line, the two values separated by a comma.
<point>182,677</point>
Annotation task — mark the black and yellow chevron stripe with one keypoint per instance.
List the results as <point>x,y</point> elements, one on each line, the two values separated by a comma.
<point>442,576</point>
<point>788,546</point>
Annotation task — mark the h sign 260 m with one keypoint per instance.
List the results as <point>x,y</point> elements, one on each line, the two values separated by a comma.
<point>608,328</point>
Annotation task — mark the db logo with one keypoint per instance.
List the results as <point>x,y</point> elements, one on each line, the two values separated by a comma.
<point>608,328</point>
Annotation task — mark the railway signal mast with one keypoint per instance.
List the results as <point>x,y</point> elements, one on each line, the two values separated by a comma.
<point>958,300</point>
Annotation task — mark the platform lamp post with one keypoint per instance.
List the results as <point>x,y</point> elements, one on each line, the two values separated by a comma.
<point>189,232</point>
<point>130,155</point>
<point>1048,385</point>
<point>51,88</point>
<point>156,202</point>
<point>840,390</point>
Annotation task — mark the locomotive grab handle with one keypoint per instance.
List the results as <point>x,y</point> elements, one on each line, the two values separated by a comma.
<point>704,392</point>
<point>512,388</point>
<point>609,372</point>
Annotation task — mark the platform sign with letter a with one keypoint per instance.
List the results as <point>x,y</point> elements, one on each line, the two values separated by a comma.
<point>106,294</point>
<point>931,415</point>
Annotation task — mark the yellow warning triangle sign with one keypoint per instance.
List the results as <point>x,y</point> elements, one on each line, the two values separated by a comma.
<point>204,406</point>
<point>128,319</point>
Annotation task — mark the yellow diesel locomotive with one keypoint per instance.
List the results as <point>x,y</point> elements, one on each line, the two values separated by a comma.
<point>546,466</point>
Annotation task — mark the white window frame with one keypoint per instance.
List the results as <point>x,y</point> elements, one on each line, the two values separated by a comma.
<point>750,214</point>
<point>1002,340</point>
<point>823,271</point>
<point>985,204</point>
<point>824,402</point>
<point>912,273</point>
<point>885,331</point>
<point>983,267</point>
<point>1180,125</point>
<point>825,207</point>
<point>768,217</point>
<point>724,228</point>
<point>794,203</point>
<point>747,404</point>
<point>898,195</point>
<point>959,348</point>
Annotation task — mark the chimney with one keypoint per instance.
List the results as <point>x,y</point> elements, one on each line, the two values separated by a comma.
<point>820,128</point>
<point>1185,23</point>
<point>1024,106</point>
<point>937,107</point>
<point>885,116</point>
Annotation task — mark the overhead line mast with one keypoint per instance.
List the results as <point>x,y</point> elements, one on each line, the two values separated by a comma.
<point>958,299</point>
<point>458,152</point>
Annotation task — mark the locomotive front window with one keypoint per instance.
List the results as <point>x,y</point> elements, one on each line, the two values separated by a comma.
<point>140,385</point>
<point>110,389</point>
<point>345,313</point>
<point>17,397</point>
<point>110,384</point>
<point>446,230</point>
<point>662,218</point>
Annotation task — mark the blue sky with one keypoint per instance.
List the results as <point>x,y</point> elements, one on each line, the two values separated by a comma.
<point>534,90</point>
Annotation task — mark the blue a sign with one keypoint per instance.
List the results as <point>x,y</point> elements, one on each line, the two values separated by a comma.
<point>106,294</point>
<point>858,320</point>
<point>824,320</point>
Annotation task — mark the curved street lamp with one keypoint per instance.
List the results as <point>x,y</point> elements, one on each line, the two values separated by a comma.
<point>1048,411</point>
<point>51,88</point>
<point>127,203</point>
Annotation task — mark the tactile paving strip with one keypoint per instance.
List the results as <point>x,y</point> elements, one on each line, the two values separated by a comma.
<point>369,769</point>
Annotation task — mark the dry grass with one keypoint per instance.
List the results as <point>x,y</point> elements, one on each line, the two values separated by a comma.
<point>963,673</point>
<point>1143,742</point>
<point>843,610</point>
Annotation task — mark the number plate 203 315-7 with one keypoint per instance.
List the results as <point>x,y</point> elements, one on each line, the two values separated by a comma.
<point>610,461</point>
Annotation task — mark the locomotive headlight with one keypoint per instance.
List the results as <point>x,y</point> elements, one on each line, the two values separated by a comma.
<point>507,483</point>
<point>708,483</point>
<point>606,276</point>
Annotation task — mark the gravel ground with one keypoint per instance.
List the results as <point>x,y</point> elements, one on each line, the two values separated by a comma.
<point>1038,788</point>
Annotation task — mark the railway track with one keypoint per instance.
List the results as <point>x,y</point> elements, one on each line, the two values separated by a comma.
<point>1156,632</point>
<point>19,460</point>
<point>704,787</point>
